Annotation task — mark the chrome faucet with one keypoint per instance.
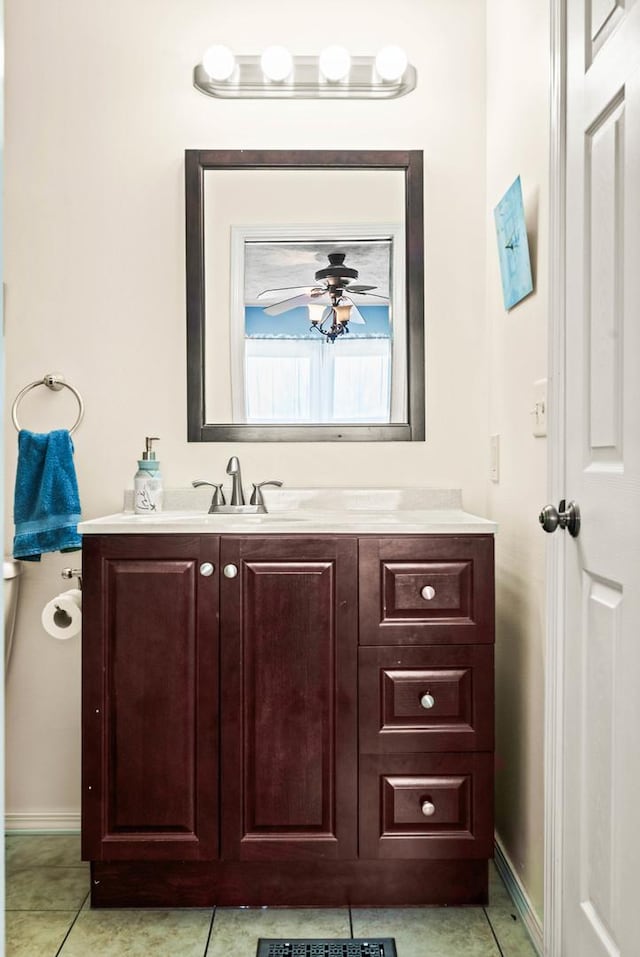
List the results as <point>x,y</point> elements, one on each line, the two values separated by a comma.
<point>237,503</point>
<point>218,498</point>
<point>237,492</point>
<point>256,495</point>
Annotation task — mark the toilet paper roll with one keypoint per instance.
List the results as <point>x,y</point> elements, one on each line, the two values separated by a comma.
<point>62,616</point>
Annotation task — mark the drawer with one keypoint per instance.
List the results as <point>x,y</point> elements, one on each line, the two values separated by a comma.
<point>438,698</point>
<point>437,806</point>
<point>437,589</point>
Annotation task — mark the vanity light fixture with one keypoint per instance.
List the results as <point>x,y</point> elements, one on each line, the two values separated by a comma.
<point>276,63</point>
<point>219,63</point>
<point>391,64</point>
<point>335,63</point>
<point>277,74</point>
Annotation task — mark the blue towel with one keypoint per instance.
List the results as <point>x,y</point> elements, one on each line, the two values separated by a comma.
<point>46,507</point>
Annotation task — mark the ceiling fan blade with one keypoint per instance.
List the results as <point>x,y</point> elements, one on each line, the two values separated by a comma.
<point>371,295</point>
<point>276,293</point>
<point>360,288</point>
<point>286,304</point>
<point>355,315</point>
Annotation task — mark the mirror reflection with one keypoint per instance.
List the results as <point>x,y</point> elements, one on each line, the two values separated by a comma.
<point>316,343</point>
<point>297,294</point>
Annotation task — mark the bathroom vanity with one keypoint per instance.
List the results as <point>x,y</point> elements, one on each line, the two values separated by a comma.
<point>289,709</point>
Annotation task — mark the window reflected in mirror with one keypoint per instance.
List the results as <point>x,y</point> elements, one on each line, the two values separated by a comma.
<point>318,327</point>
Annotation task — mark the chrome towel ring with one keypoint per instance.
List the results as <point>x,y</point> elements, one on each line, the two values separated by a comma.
<point>55,383</point>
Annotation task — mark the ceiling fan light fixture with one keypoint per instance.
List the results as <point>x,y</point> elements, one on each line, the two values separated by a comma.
<point>219,62</point>
<point>335,63</point>
<point>342,314</point>
<point>276,63</point>
<point>391,63</point>
<point>332,309</point>
<point>316,313</point>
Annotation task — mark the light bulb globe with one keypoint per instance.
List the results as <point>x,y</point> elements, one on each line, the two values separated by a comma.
<point>219,62</point>
<point>391,62</point>
<point>276,63</point>
<point>335,63</point>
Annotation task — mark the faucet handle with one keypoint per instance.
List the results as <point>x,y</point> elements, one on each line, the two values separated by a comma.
<point>218,495</point>
<point>256,495</point>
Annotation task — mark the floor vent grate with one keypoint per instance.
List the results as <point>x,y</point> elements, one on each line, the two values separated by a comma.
<point>327,947</point>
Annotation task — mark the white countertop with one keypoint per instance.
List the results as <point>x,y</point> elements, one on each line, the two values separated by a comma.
<point>306,511</point>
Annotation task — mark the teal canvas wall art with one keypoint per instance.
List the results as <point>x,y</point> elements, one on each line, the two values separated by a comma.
<point>513,246</point>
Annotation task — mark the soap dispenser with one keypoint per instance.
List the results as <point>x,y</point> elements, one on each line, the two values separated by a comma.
<point>147,482</point>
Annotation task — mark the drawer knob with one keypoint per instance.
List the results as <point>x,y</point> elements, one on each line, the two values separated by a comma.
<point>428,592</point>
<point>427,701</point>
<point>428,808</point>
<point>207,569</point>
<point>230,571</point>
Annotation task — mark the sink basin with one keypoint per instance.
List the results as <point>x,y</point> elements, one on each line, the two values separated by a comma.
<point>266,517</point>
<point>305,511</point>
<point>196,519</point>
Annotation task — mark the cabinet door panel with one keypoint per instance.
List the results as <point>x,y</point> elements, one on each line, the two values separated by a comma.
<point>433,698</point>
<point>437,589</point>
<point>437,806</point>
<point>289,722</point>
<point>150,634</point>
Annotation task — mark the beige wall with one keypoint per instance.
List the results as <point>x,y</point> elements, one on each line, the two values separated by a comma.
<point>100,107</point>
<point>517,143</point>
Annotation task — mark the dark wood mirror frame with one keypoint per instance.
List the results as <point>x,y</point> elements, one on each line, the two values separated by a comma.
<point>197,162</point>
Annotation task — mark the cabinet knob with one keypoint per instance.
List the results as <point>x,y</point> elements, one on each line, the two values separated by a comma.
<point>230,571</point>
<point>427,701</point>
<point>428,592</point>
<point>207,569</point>
<point>428,808</point>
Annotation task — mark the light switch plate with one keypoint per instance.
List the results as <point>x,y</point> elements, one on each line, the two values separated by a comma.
<point>539,408</point>
<point>494,458</point>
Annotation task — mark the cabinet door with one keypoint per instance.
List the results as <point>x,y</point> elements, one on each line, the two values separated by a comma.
<point>432,590</point>
<point>150,699</point>
<point>289,737</point>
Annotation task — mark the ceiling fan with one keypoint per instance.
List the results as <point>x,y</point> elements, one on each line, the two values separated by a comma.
<point>328,297</point>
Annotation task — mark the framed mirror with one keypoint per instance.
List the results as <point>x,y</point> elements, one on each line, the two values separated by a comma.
<point>305,295</point>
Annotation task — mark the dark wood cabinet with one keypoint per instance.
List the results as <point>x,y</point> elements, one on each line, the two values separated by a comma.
<point>289,723</point>
<point>287,719</point>
<point>150,698</point>
<point>426,697</point>
<point>433,589</point>
<point>432,806</point>
<point>435,699</point>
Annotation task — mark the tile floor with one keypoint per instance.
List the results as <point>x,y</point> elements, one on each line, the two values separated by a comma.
<point>48,915</point>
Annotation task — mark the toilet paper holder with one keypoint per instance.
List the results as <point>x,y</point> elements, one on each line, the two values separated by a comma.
<point>72,573</point>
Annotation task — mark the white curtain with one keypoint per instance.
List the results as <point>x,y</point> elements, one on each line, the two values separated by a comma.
<point>303,380</point>
<point>361,387</point>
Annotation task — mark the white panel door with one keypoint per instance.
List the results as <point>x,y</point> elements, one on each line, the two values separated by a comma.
<point>601,845</point>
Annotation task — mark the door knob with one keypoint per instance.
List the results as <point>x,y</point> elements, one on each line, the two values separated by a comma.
<point>207,569</point>
<point>428,808</point>
<point>230,571</point>
<point>428,592</point>
<point>565,516</point>
<point>427,701</point>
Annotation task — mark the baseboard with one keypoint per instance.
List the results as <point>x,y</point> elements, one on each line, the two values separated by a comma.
<point>519,896</point>
<point>42,822</point>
